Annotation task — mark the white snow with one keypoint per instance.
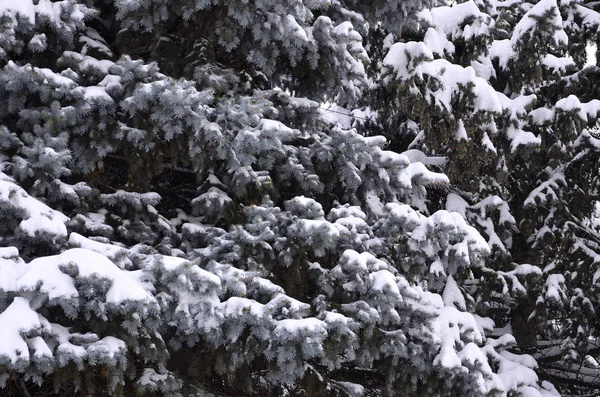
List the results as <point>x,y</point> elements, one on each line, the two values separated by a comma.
<point>108,250</point>
<point>487,143</point>
<point>555,284</point>
<point>201,274</point>
<point>46,274</point>
<point>38,218</point>
<point>449,20</point>
<point>17,319</point>
<point>541,116</point>
<point>401,55</point>
<point>37,42</point>
<point>484,67</point>
<point>337,115</point>
<point>321,229</point>
<point>545,192</point>
<point>51,77</point>
<point>557,64</point>
<point>236,306</point>
<point>457,204</point>
<point>53,10</point>
<point>39,347</point>
<point>438,43</point>
<point>213,197</point>
<point>108,347</point>
<point>388,158</point>
<point>461,132</point>
<point>384,281</point>
<point>401,59</point>
<point>452,295</point>
<point>359,260</point>
<point>417,156</point>
<point>96,93</point>
<point>417,172</point>
<point>11,267</point>
<point>172,262</point>
<point>293,328</point>
<point>451,222</point>
<point>449,326</point>
<point>502,51</point>
<point>352,389</point>
<point>24,7</point>
<point>95,41</point>
<point>9,253</point>
<point>513,373</point>
<point>584,110</point>
<point>520,137</point>
<point>528,23</point>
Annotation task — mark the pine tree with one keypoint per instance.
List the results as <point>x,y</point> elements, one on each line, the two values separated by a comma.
<point>497,94</point>
<point>181,215</point>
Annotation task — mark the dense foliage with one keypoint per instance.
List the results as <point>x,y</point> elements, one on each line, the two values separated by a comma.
<point>299,197</point>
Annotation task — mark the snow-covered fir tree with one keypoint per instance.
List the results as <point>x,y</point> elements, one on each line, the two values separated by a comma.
<point>298,198</point>
<point>501,91</point>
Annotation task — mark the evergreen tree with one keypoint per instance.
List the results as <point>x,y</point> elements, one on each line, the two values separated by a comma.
<point>497,92</point>
<point>181,215</point>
